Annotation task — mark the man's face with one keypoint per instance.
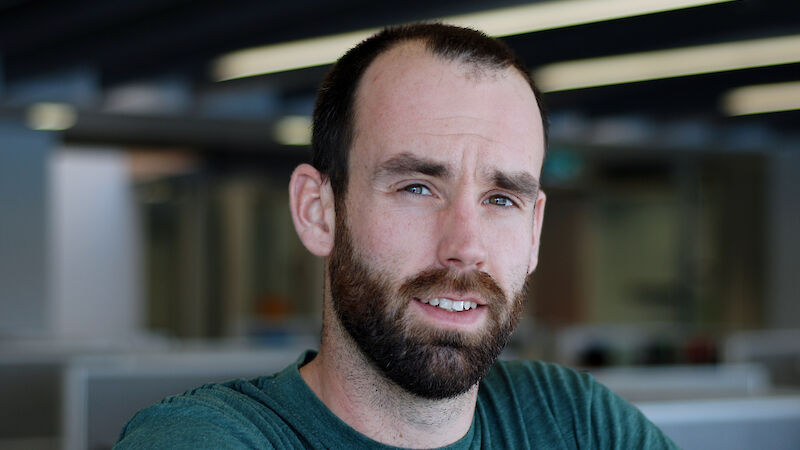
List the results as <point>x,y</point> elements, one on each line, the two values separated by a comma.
<point>440,230</point>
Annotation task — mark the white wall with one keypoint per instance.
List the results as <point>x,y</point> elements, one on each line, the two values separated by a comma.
<point>23,244</point>
<point>95,258</point>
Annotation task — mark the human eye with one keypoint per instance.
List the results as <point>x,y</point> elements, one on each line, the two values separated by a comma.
<point>417,189</point>
<point>500,200</point>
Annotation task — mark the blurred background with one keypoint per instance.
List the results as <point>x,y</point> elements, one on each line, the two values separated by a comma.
<point>146,245</point>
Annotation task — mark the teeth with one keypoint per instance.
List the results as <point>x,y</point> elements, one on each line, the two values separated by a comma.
<point>450,305</point>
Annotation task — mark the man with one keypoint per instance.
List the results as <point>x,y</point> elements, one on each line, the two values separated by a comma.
<point>424,199</point>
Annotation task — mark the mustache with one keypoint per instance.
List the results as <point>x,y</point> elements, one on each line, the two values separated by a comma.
<point>434,281</point>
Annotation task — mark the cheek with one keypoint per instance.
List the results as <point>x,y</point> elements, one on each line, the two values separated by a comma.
<point>510,248</point>
<point>392,239</point>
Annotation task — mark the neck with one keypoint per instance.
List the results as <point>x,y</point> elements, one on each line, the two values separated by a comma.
<point>353,389</point>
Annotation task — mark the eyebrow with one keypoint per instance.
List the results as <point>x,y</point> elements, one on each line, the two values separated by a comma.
<point>406,163</point>
<point>521,183</point>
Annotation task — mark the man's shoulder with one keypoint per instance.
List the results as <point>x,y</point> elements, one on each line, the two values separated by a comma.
<point>200,415</point>
<point>545,401</point>
<point>236,414</point>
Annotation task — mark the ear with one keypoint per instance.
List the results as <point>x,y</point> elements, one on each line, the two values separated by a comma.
<point>311,203</point>
<point>538,218</point>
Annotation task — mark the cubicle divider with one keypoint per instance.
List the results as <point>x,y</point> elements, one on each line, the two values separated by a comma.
<point>102,392</point>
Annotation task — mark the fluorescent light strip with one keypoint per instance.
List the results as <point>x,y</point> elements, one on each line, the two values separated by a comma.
<point>48,116</point>
<point>671,63</point>
<point>560,14</point>
<point>499,22</point>
<point>293,130</point>
<point>286,56</point>
<point>763,98</point>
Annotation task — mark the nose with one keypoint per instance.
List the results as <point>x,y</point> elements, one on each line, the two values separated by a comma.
<point>461,244</point>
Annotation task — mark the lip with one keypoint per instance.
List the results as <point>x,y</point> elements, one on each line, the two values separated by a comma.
<point>459,320</point>
<point>457,297</point>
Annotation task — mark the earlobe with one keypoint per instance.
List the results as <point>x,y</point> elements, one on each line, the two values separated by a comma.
<point>311,204</point>
<point>538,218</point>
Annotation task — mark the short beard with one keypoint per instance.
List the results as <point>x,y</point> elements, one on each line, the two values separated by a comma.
<point>430,363</point>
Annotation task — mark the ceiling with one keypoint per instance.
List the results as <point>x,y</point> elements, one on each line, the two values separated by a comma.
<point>139,72</point>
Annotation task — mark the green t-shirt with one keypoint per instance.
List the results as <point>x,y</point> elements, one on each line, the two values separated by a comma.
<point>521,404</point>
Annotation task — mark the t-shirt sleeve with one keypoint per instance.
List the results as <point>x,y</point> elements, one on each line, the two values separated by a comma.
<point>191,422</point>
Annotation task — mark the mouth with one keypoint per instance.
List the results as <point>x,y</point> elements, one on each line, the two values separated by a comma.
<point>449,304</point>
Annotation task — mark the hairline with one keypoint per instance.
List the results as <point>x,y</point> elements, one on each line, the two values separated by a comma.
<point>483,69</point>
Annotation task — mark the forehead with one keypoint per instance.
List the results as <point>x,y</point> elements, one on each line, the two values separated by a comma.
<point>410,100</point>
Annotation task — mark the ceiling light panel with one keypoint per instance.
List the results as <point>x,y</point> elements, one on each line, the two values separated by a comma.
<point>764,98</point>
<point>51,116</point>
<point>293,130</point>
<point>670,63</point>
<point>566,13</point>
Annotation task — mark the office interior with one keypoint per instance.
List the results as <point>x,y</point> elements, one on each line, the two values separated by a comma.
<point>146,245</point>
